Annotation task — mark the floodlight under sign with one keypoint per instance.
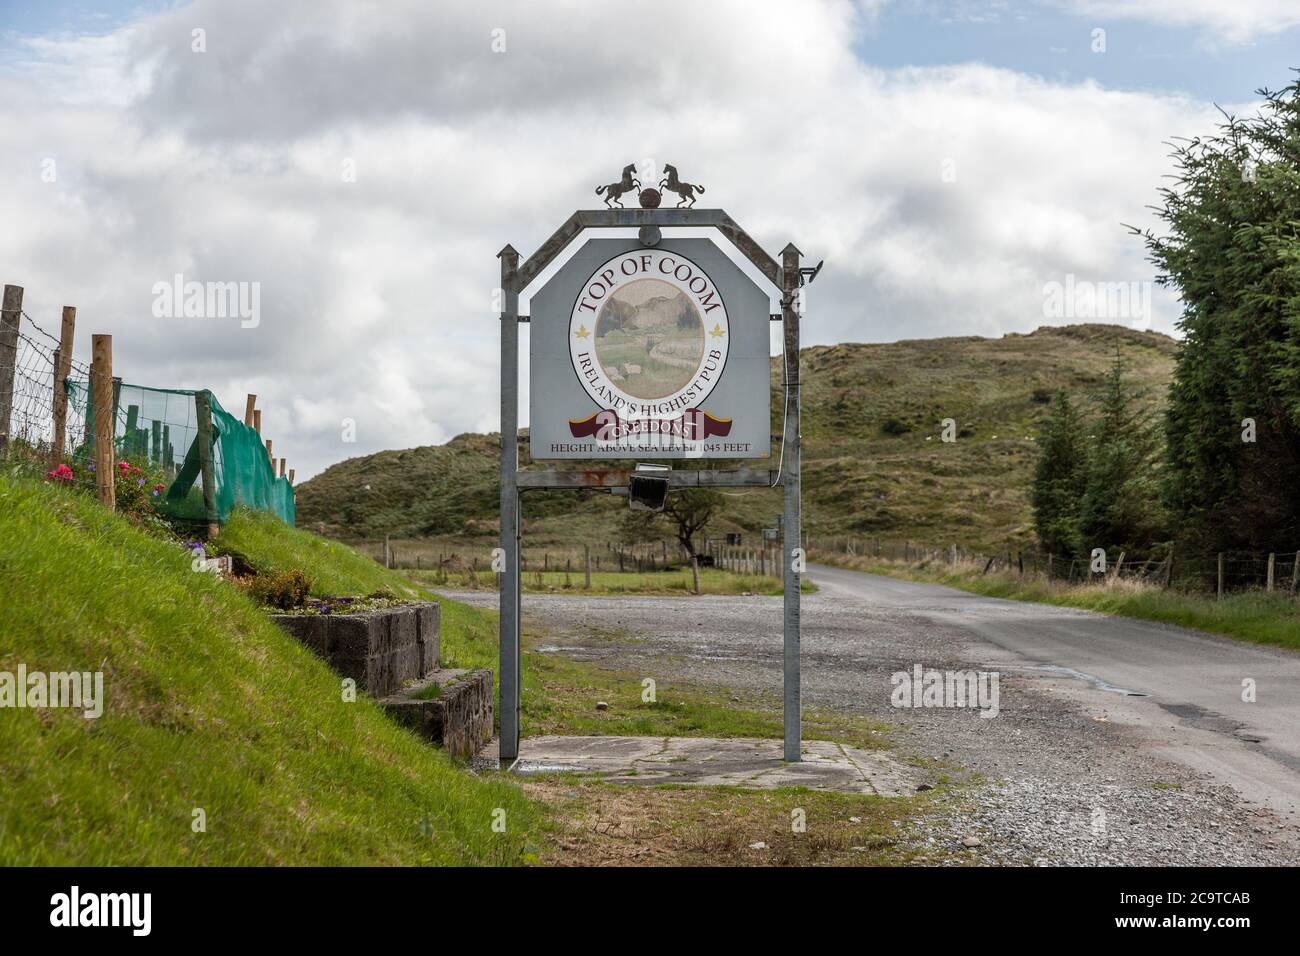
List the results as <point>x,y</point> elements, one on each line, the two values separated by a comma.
<point>647,488</point>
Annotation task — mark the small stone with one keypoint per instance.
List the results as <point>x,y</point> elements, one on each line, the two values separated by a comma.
<point>602,705</point>
<point>758,846</point>
<point>972,841</point>
<point>924,787</point>
<point>855,819</point>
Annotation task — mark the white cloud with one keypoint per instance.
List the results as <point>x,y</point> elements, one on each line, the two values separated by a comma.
<point>1233,21</point>
<point>377,294</point>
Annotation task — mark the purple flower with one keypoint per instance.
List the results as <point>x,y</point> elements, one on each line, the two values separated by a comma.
<point>140,483</point>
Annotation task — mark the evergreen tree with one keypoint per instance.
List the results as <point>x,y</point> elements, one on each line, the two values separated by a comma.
<point>1233,252</point>
<point>1121,506</point>
<point>1060,478</point>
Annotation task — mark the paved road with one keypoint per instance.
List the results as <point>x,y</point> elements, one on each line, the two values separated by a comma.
<point>1075,770</point>
<point>1194,678</point>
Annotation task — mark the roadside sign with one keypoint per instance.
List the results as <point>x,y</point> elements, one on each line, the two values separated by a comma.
<point>649,352</point>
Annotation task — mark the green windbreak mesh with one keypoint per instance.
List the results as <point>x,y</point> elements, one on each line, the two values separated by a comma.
<point>207,460</point>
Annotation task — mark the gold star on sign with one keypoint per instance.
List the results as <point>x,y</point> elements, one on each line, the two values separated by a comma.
<point>582,332</point>
<point>717,331</point>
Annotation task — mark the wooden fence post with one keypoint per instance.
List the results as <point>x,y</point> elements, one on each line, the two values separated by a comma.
<point>290,476</point>
<point>1295,573</point>
<point>250,406</point>
<point>1169,570</point>
<point>257,420</point>
<point>101,376</point>
<point>586,565</point>
<point>203,412</point>
<point>1220,575</point>
<point>270,456</point>
<point>282,472</point>
<point>1272,564</point>
<point>62,368</point>
<point>10,318</point>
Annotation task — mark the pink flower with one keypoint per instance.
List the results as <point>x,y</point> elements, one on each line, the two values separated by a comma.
<point>61,473</point>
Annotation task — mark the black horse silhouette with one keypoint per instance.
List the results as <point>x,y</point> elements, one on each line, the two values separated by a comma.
<point>612,191</point>
<point>671,183</point>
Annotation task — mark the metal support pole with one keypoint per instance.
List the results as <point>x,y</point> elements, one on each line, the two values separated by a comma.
<point>790,480</point>
<point>508,663</point>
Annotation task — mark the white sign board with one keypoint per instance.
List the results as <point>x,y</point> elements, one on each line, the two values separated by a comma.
<point>649,352</point>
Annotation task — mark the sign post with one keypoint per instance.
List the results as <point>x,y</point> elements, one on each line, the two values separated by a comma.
<point>507,558</point>
<point>793,505</point>
<point>643,346</point>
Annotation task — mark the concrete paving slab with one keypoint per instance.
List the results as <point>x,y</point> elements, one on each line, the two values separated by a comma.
<point>712,761</point>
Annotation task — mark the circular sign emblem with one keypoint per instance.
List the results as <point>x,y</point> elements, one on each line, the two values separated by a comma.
<point>649,333</point>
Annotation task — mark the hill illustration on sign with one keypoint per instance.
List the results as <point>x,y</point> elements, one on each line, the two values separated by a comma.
<point>652,368</point>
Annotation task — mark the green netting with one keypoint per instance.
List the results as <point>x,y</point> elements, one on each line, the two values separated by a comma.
<point>164,431</point>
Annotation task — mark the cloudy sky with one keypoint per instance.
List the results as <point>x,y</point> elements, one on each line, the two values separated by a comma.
<point>364,162</point>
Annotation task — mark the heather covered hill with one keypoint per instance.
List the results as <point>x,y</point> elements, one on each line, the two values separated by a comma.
<point>874,461</point>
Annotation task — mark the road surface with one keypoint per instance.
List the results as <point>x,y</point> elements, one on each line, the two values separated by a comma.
<point>1188,677</point>
<point>1076,769</point>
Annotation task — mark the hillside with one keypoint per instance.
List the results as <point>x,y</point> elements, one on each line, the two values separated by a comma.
<point>208,705</point>
<point>874,464</point>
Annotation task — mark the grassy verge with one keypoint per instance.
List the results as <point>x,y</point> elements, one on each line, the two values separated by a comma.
<point>712,581</point>
<point>560,697</point>
<point>207,707</point>
<point>628,824</point>
<point>1253,616</point>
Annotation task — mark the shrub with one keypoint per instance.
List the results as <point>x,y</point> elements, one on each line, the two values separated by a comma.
<point>278,589</point>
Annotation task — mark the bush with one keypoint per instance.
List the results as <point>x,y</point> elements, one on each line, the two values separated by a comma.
<point>895,426</point>
<point>279,589</point>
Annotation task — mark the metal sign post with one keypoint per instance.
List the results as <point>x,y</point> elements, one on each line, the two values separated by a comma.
<point>676,322</point>
<point>508,558</point>
<point>793,506</point>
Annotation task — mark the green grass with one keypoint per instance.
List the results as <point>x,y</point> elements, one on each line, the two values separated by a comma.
<point>209,705</point>
<point>712,581</point>
<point>1254,616</point>
<point>560,696</point>
<point>334,569</point>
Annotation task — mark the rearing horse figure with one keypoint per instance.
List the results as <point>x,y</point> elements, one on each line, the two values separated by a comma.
<point>625,185</point>
<point>687,191</point>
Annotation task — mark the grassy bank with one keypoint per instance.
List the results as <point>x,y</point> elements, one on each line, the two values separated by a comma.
<point>209,707</point>
<point>1255,616</point>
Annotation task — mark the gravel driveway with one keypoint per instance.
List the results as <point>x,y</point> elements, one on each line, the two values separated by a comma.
<point>1074,769</point>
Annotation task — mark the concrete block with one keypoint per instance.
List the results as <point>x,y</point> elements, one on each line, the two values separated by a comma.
<point>459,719</point>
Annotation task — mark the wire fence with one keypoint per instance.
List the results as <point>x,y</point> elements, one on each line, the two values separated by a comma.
<point>174,451</point>
<point>1228,571</point>
<point>31,411</point>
